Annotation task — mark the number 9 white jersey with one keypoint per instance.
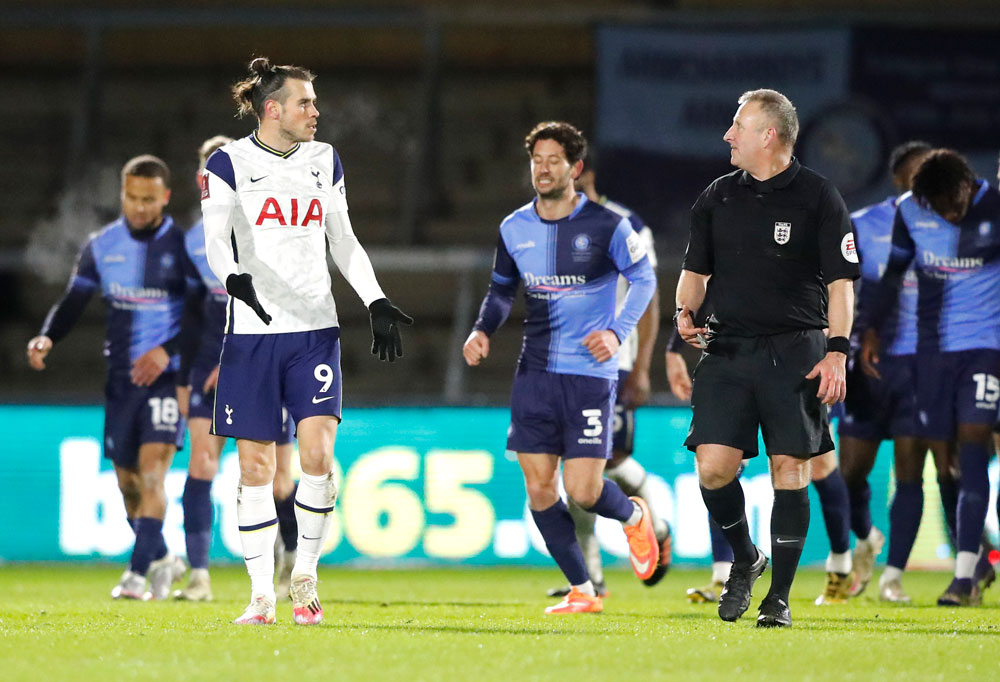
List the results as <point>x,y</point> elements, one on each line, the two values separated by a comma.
<point>270,214</point>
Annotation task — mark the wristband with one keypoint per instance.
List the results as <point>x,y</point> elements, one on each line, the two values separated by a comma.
<point>838,344</point>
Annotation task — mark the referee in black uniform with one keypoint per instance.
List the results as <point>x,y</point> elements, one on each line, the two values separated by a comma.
<point>773,243</point>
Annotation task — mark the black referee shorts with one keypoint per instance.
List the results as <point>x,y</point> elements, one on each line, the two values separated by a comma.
<point>741,384</point>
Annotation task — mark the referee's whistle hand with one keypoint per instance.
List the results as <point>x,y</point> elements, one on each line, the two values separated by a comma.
<point>832,373</point>
<point>685,327</point>
<point>476,348</point>
<point>602,344</point>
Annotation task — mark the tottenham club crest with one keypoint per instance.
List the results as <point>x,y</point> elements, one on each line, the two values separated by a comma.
<point>782,232</point>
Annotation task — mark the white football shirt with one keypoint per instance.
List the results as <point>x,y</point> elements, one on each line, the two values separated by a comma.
<point>629,348</point>
<point>270,214</point>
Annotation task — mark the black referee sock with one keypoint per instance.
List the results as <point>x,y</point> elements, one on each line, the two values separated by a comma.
<point>789,525</point>
<point>727,507</point>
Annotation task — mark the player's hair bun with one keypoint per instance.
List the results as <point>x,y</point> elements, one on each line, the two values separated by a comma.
<point>261,66</point>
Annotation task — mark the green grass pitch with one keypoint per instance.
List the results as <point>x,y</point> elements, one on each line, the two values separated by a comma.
<point>58,623</point>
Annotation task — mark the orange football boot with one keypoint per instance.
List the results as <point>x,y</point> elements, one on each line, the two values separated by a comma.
<point>643,549</point>
<point>577,602</point>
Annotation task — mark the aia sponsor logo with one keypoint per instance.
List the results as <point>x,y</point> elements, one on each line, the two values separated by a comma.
<point>292,214</point>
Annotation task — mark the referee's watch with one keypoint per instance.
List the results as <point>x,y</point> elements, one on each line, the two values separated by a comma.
<point>838,344</point>
<point>677,313</point>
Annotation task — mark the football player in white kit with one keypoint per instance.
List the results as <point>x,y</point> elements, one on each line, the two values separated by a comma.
<point>270,201</point>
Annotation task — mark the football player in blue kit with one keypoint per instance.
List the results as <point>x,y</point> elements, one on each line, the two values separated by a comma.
<point>882,403</point>
<point>197,399</point>
<point>139,266</point>
<point>568,251</point>
<point>272,202</point>
<point>634,359</point>
<point>948,227</point>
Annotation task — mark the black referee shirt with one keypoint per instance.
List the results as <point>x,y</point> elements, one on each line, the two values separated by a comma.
<point>771,248</point>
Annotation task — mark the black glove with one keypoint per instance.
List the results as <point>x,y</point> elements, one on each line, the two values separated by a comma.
<point>241,287</point>
<point>385,332</point>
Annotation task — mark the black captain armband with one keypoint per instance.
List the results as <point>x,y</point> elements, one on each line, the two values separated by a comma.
<point>838,344</point>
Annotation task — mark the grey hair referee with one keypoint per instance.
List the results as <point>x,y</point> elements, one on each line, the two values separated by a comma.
<point>773,243</point>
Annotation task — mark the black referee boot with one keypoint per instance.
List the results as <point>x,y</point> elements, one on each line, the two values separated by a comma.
<point>774,613</point>
<point>735,598</point>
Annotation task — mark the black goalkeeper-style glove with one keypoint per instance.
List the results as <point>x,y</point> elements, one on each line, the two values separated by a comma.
<point>241,287</point>
<point>385,331</point>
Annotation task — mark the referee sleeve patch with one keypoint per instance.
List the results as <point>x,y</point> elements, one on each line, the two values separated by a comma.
<point>636,249</point>
<point>848,249</point>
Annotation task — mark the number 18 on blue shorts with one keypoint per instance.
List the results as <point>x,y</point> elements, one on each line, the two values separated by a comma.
<point>260,373</point>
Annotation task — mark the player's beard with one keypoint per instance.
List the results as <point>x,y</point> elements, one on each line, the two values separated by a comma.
<point>305,135</point>
<point>556,191</point>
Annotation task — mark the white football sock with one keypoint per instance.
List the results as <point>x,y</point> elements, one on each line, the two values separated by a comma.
<point>890,573</point>
<point>839,563</point>
<point>314,501</point>
<point>584,521</point>
<point>720,571</point>
<point>587,588</point>
<point>258,527</point>
<point>965,564</point>
<point>629,475</point>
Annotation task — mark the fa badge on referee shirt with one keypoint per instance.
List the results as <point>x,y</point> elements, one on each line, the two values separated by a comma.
<point>782,232</point>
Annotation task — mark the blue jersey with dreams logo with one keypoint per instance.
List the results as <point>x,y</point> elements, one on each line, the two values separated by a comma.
<point>216,298</point>
<point>143,279</point>
<point>958,272</point>
<point>873,235</point>
<point>570,270</point>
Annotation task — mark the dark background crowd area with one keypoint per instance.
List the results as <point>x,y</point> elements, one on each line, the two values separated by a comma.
<point>428,104</point>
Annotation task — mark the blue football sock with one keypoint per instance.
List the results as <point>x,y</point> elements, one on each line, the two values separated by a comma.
<point>613,503</point>
<point>948,488</point>
<point>904,521</point>
<point>835,501</point>
<point>287,525</point>
<point>861,509</point>
<point>197,503</point>
<point>559,533</point>
<point>973,495</point>
<point>148,539</point>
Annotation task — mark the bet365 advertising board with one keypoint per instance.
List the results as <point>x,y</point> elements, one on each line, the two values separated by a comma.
<point>417,486</point>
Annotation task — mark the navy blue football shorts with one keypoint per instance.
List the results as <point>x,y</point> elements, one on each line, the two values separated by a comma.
<point>568,415</point>
<point>880,409</point>
<point>136,415</point>
<point>960,387</point>
<point>624,422</point>
<point>262,373</point>
<point>203,403</point>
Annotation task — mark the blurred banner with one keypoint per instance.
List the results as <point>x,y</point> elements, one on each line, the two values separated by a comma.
<point>416,485</point>
<point>674,90</point>
<point>934,84</point>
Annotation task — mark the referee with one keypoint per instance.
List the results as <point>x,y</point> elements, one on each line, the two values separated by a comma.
<point>772,241</point>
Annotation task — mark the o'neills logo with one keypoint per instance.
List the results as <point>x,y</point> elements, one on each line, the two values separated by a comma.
<point>531,280</point>
<point>137,292</point>
<point>951,262</point>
